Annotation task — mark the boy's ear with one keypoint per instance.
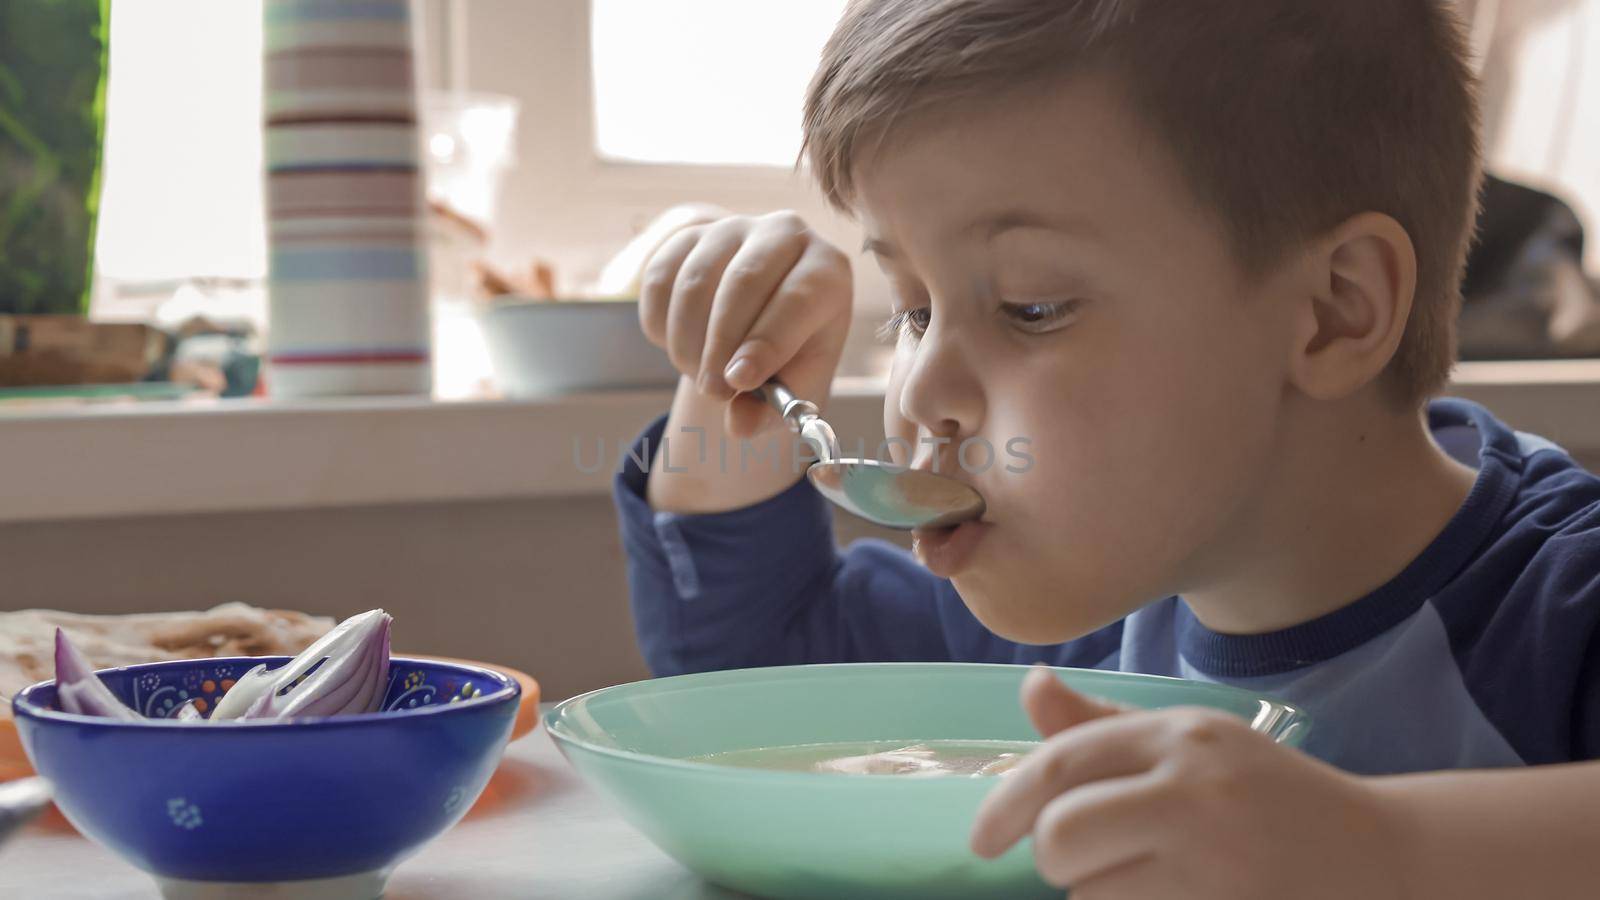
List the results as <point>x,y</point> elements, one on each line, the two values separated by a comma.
<point>1362,279</point>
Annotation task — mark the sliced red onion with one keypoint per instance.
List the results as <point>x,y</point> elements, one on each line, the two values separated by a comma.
<point>340,686</point>
<point>247,689</point>
<point>370,698</point>
<point>79,690</point>
<point>343,685</point>
<point>353,679</point>
<point>253,692</point>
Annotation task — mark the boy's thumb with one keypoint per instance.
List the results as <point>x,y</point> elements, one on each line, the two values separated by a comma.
<point>1053,707</point>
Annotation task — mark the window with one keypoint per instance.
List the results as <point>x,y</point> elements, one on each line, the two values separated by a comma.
<point>716,82</point>
<point>1544,92</point>
<point>182,168</point>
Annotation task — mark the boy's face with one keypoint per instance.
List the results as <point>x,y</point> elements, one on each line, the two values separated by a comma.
<point>1078,296</point>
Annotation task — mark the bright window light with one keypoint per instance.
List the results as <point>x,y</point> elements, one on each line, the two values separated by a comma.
<point>181,191</point>
<point>1549,136</point>
<point>712,82</point>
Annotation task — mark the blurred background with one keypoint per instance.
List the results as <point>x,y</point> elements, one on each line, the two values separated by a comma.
<point>562,127</point>
<point>557,135</point>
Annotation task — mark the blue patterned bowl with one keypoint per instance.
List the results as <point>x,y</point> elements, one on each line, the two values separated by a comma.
<point>321,808</point>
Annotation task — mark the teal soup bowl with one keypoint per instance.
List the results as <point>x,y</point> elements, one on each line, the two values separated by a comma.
<point>807,834</point>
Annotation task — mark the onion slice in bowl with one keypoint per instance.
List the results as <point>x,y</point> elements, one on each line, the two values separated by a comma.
<point>352,677</point>
<point>345,671</point>
<point>79,690</point>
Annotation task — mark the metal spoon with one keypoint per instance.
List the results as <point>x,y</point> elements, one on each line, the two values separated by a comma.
<point>891,496</point>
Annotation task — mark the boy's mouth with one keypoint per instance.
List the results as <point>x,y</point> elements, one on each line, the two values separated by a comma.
<point>947,551</point>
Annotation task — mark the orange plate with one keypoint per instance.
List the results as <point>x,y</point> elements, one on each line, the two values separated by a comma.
<point>14,762</point>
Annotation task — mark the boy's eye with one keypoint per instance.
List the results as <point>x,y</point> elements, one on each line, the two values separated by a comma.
<point>906,323</point>
<point>1038,318</point>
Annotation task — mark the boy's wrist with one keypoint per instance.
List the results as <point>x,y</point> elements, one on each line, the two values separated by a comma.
<point>697,468</point>
<point>1403,826</point>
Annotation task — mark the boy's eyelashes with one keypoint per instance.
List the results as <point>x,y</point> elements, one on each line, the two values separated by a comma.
<point>905,323</point>
<point>1040,317</point>
<point>1036,317</point>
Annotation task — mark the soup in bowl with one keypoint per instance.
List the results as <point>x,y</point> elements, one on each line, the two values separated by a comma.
<point>792,782</point>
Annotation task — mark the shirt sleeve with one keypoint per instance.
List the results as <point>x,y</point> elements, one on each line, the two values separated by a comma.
<point>766,585</point>
<point>1587,742</point>
<point>1525,622</point>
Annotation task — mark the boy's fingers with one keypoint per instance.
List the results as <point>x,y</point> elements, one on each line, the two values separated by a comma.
<point>1108,747</point>
<point>655,285</point>
<point>1098,828</point>
<point>746,287</point>
<point>1053,707</point>
<point>1146,876</point>
<point>816,290</point>
<point>749,415</point>
<point>697,280</point>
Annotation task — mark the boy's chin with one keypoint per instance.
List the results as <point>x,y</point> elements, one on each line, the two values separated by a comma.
<point>1027,616</point>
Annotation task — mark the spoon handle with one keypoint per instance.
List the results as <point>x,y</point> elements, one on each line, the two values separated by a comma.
<point>802,416</point>
<point>792,408</point>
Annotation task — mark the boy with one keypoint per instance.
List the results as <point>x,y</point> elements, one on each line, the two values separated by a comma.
<point>1204,258</point>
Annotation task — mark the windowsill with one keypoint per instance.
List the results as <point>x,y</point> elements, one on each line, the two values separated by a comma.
<point>198,457</point>
<point>165,458</point>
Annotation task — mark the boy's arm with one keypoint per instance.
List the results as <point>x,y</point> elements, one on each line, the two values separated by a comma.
<point>1192,803</point>
<point>764,584</point>
<point>1514,833</point>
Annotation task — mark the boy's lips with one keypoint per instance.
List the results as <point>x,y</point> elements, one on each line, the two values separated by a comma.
<point>946,551</point>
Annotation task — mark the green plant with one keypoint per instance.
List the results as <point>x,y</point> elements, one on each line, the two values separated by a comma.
<point>52,116</point>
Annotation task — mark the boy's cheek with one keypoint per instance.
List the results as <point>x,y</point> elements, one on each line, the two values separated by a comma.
<point>1084,537</point>
<point>1032,599</point>
<point>900,434</point>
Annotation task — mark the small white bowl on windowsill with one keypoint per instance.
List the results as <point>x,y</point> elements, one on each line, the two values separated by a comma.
<point>542,348</point>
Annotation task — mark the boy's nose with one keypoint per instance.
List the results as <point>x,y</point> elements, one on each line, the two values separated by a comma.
<point>939,392</point>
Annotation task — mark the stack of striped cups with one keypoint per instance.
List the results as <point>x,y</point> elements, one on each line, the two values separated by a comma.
<point>346,224</point>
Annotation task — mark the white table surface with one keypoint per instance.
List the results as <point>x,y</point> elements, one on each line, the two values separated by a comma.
<point>545,835</point>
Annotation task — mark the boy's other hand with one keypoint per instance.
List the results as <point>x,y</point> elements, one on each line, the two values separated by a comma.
<point>745,298</point>
<point>1183,802</point>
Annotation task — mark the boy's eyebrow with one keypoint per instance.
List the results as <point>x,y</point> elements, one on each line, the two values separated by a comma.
<point>994,225</point>
<point>882,248</point>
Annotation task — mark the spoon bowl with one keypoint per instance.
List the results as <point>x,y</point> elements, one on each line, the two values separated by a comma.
<point>895,497</point>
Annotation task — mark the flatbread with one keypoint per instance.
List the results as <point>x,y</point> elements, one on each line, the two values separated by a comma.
<point>27,638</point>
